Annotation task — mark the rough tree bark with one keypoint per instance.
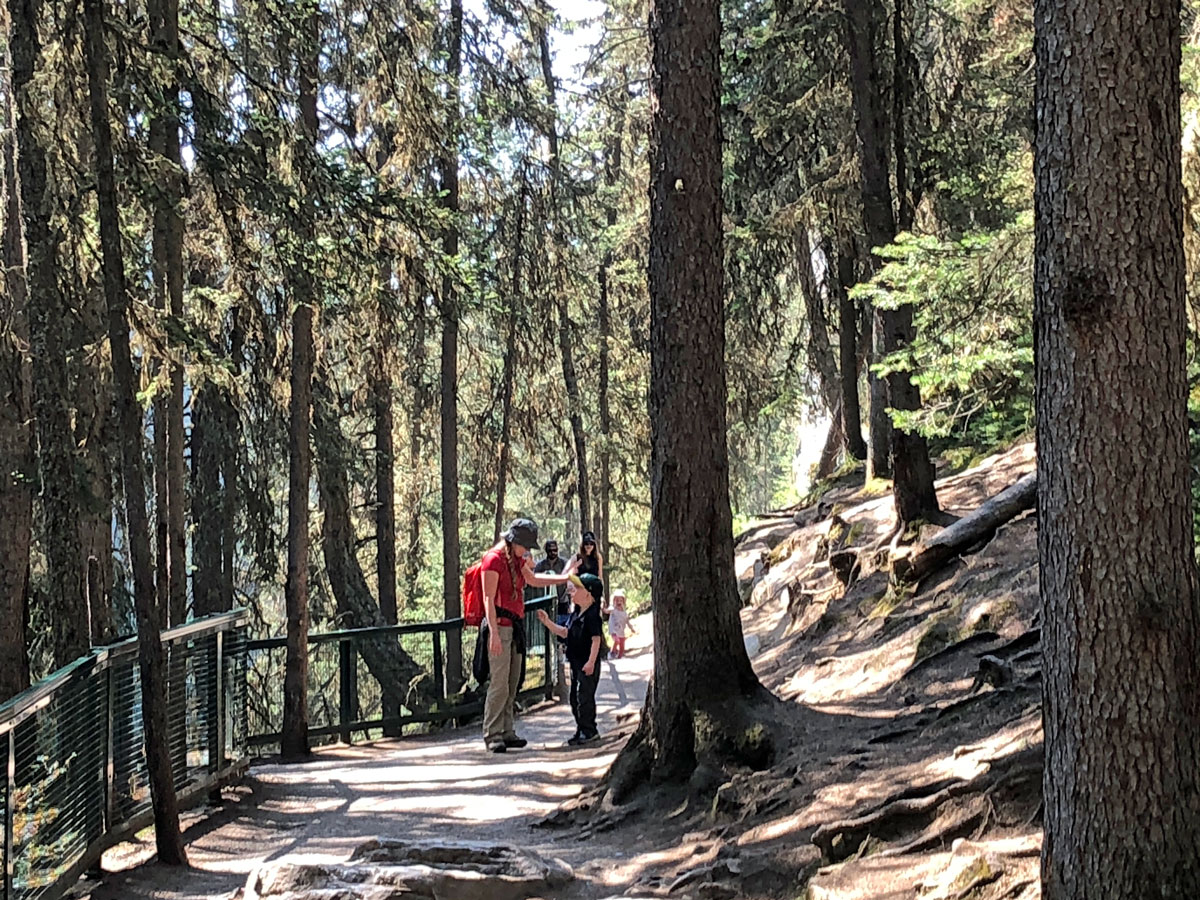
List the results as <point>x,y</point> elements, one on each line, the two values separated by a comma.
<point>510,355</point>
<point>704,690</point>
<point>912,470</point>
<point>168,840</point>
<point>566,333</point>
<point>96,453</point>
<point>94,440</point>
<point>231,470</point>
<point>385,474</point>
<point>168,281</point>
<point>1121,614</point>
<point>214,440</point>
<point>59,489</point>
<point>16,438</point>
<point>451,554</point>
<point>207,549</point>
<point>294,742</point>
<point>420,397</point>
<point>840,283</point>
<point>820,353</point>
<point>612,175</point>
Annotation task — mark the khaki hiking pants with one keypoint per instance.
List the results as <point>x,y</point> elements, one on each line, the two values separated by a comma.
<point>505,682</point>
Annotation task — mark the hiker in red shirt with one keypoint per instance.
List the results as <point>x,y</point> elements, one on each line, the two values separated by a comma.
<point>507,568</point>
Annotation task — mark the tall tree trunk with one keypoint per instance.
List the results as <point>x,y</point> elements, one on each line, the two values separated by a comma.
<point>168,279</point>
<point>93,437</point>
<point>168,840</point>
<point>566,335</point>
<point>385,495</point>
<point>230,472</point>
<point>94,456</point>
<point>16,438</point>
<point>451,557</point>
<point>905,213</point>
<point>294,741</point>
<point>1121,614</point>
<point>207,543</point>
<point>385,506</point>
<point>48,322</point>
<point>382,401</point>
<point>840,282</point>
<point>835,442</point>
<point>912,470</point>
<point>401,679</point>
<point>506,389</point>
<point>612,175</point>
<point>705,680</point>
<point>820,348</point>
<point>510,354</point>
<point>419,393</point>
<point>879,423</point>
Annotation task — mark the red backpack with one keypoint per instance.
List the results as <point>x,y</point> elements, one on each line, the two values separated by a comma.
<point>473,608</point>
<point>473,611</point>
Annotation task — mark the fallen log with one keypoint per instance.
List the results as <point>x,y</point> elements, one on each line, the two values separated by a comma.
<point>968,531</point>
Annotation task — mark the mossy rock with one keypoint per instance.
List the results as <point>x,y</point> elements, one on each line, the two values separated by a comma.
<point>876,487</point>
<point>749,744</point>
<point>940,634</point>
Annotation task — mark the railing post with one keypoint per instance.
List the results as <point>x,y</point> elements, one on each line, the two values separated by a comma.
<point>218,752</point>
<point>9,815</point>
<point>110,766</point>
<point>549,646</point>
<point>347,682</point>
<point>439,668</point>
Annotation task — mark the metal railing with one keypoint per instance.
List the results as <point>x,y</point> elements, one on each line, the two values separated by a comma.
<point>77,781</point>
<point>353,689</point>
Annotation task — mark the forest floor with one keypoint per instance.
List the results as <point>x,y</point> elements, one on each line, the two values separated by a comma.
<point>911,765</point>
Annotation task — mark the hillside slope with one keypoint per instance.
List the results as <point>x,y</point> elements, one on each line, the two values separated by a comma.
<point>914,767</point>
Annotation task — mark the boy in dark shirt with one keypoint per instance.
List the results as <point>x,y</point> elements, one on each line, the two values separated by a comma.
<point>584,633</point>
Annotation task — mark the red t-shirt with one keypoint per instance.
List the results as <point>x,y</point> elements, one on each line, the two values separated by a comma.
<point>508,596</point>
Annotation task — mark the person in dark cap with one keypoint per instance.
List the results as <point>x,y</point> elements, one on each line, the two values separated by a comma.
<point>554,563</point>
<point>587,560</point>
<point>584,634</point>
<point>506,570</point>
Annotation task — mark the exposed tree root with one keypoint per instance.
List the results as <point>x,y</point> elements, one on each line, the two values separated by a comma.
<point>903,813</point>
<point>975,640</point>
<point>733,734</point>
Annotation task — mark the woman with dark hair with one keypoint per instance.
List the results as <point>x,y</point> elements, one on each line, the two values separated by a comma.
<point>588,559</point>
<point>506,569</point>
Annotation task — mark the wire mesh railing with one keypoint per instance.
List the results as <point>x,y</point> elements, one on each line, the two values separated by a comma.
<point>382,682</point>
<point>76,774</point>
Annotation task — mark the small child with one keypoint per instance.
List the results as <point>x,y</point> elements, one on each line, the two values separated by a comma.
<point>619,623</point>
<point>584,633</point>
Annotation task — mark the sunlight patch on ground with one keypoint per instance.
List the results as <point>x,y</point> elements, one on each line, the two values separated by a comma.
<point>854,675</point>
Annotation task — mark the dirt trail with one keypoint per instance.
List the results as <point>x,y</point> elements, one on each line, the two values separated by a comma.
<point>903,772</point>
<point>440,786</point>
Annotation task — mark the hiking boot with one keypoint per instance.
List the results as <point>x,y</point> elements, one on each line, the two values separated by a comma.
<point>515,743</point>
<point>588,738</point>
<point>575,741</point>
<point>497,746</point>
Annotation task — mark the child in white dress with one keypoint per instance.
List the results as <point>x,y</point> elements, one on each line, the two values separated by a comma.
<point>619,624</point>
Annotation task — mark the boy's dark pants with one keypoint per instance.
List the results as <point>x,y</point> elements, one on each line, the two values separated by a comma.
<point>583,698</point>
